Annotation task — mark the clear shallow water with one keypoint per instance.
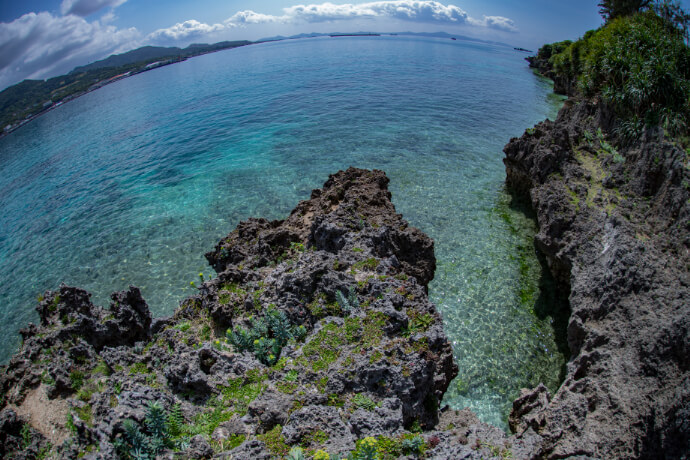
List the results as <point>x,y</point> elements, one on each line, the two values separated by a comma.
<point>132,183</point>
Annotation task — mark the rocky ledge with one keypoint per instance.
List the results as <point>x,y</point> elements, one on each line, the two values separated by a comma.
<point>614,224</point>
<point>316,338</point>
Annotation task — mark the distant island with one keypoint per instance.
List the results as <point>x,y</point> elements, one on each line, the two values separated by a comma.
<point>25,101</point>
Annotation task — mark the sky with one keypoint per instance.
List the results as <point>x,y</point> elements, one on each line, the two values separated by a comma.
<point>44,38</point>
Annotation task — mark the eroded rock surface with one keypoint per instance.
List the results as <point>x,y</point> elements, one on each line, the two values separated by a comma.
<point>332,340</point>
<point>317,331</point>
<point>614,225</point>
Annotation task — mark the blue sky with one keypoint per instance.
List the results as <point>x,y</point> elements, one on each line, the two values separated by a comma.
<point>44,38</point>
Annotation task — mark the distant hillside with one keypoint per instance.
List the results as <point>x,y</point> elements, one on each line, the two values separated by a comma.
<point>152,53</point>
<point>28,99</point>
<point>145,53</point>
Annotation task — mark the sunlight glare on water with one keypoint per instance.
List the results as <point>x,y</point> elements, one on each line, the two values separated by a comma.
<point>132,183</point>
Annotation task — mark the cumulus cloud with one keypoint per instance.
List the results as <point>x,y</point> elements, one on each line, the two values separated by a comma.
<point>407,10</point>
<point>37,45</point>
<point>84,8</point>
<point>425,11</point>
<point>184,30</point>
<point>499,23</point>
<point>250,17</point>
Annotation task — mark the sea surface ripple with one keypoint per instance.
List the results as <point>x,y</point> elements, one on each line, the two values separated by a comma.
<point>132,183</point>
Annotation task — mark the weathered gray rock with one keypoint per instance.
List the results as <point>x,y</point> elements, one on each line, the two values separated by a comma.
<point>383,420</point>
<point>251,449</point>
<point>336,293</point>
<point>615,232</point>
<point>305,423</point>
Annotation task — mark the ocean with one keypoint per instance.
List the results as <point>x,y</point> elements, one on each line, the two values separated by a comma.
<point>134,182</point>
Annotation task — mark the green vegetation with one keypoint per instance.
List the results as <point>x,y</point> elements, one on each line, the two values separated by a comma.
<point>183,326</point>
<point>297,247</point>
<point>418,322</point>
<point>347,304</point>
<point>85,414</point>
<point>76,379</point>
<point>138,368</point>
<point>372,332</point>
<point>275,442</point>
<point>320,307</point>
<point>26,435</point>
<point>267,336</point>
<point>31,97</point>
<point>160,431</point>
<point>324,347</point>
<point>321,455</point>
<point>366,449</point>
<point>389,448</point>
<point>238,394</point>
<point>413,445</point>
<point>362,401</point>
<point>102,368</point>
<point>296,453</point>
<point>611,9</point>
<point>316,437</point>
<point>226,292</point>
<point>638,62</point>
<point>368,264</point>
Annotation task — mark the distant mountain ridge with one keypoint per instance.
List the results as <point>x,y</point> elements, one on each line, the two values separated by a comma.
<point>148,53</point>
<point>28,99</point>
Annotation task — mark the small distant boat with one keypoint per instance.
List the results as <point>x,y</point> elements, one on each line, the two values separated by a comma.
<point>453,38</point>
<point>523,50</point>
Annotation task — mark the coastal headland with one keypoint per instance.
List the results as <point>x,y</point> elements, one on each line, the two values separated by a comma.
<point>317,339</point>
<point>317,335</point>
<point>317,332</point>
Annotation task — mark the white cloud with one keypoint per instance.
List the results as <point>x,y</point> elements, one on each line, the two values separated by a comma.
<point>108,17</point>
<point>184,30</point>
<point>407,10</point>
<point>421,11</point>
<point>39,45</point>
<point>84,8</point>
<point>250,17</point>
<point>500,23</point>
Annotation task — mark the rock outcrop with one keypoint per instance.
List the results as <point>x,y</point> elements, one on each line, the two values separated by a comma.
<point>317,332</point>
<point>562,84</point>
<point>614,225</point>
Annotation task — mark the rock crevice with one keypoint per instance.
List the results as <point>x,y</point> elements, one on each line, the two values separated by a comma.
<point>614,225</point>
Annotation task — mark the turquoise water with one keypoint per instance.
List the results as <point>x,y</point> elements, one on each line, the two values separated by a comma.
<point>132,183</point>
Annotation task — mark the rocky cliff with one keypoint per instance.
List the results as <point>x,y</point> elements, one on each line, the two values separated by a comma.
<point>614,224</point>
<point>317,333</point>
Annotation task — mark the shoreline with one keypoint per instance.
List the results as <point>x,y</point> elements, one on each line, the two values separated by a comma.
<point>609,230</point>
<point>101,84</point>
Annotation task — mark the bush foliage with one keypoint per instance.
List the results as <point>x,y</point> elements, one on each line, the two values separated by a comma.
<point>639,64</point>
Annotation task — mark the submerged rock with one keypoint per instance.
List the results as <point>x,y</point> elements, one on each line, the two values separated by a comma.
<point>614,225</point>
<point>317,332</point>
